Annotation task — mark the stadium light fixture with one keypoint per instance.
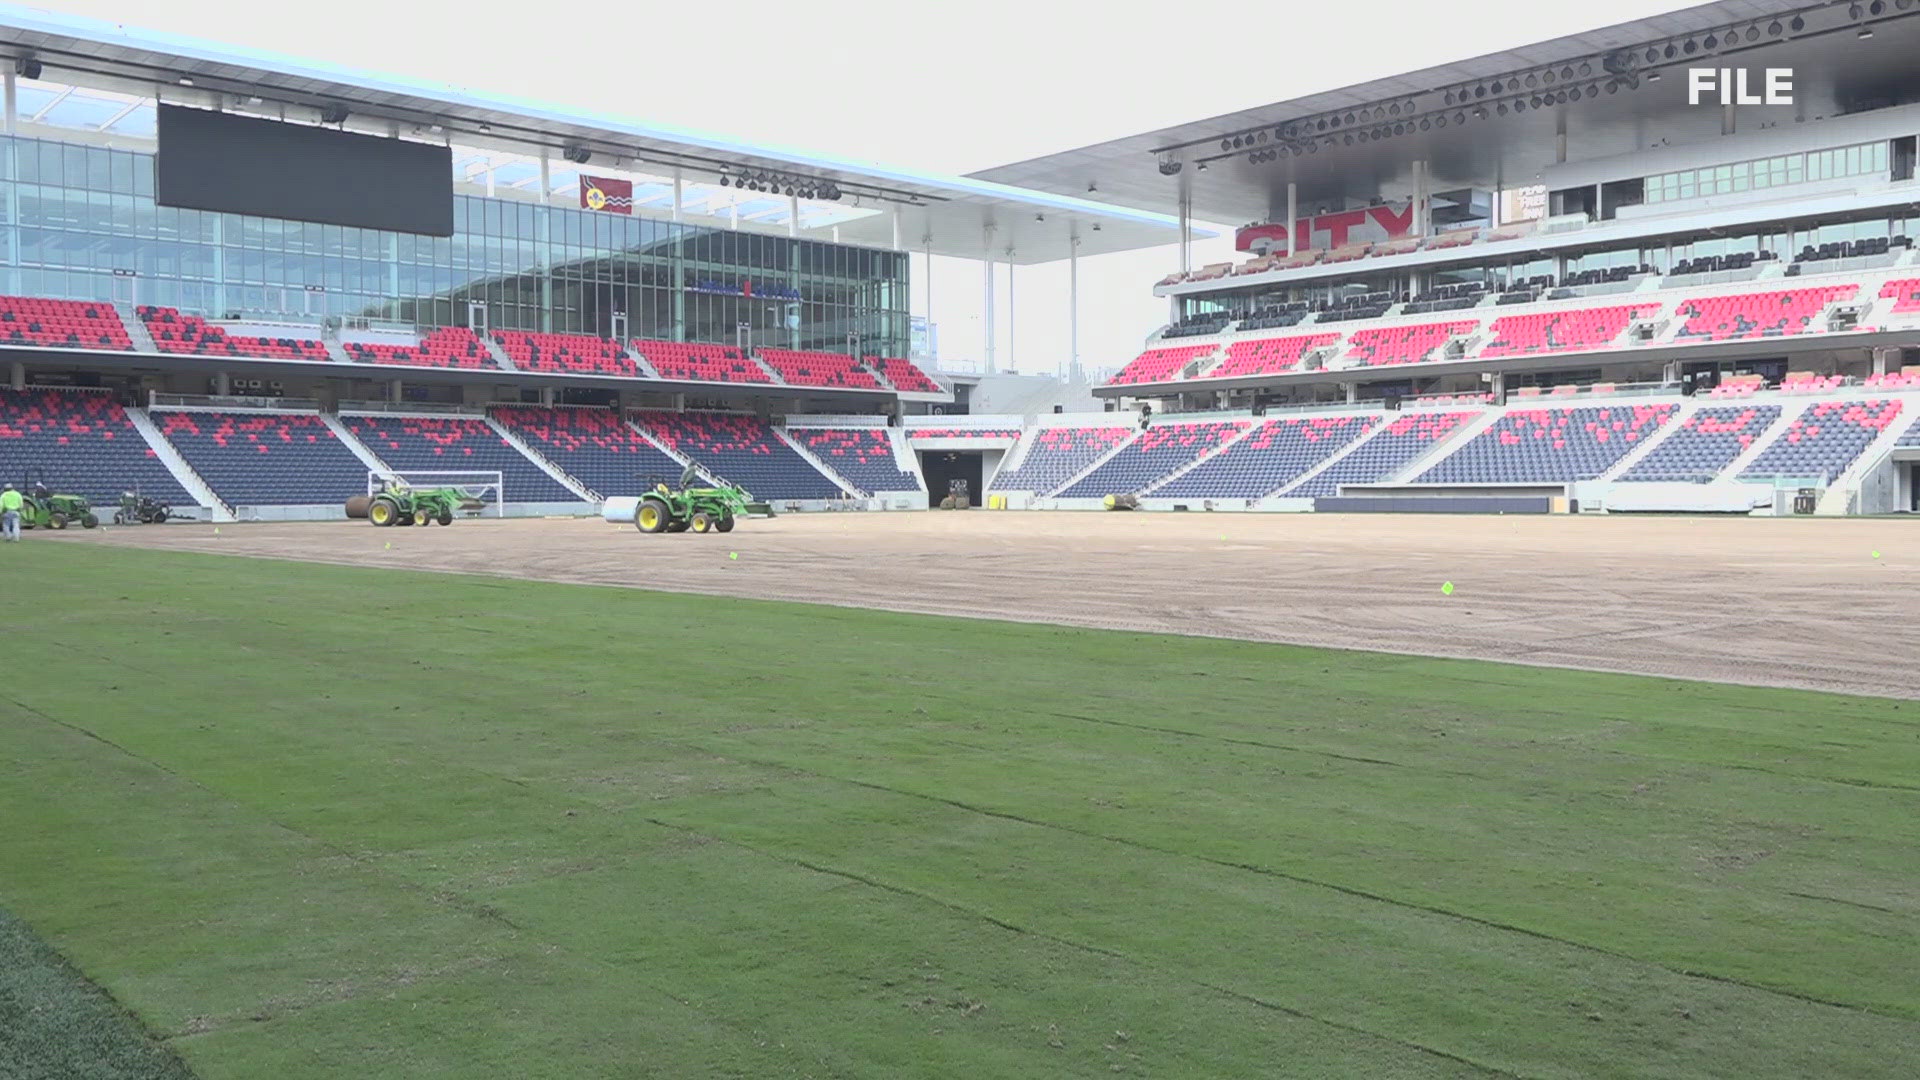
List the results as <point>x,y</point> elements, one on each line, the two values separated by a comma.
<point>1798,24</point>
<point>1855,11</point>
<point>333,114</point>
<point>28,66</point>
<point>1774,29</point>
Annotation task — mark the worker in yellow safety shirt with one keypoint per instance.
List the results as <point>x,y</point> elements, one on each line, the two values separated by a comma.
<point>10,504</point>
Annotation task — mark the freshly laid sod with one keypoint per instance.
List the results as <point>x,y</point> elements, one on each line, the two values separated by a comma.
<point>310,821</point>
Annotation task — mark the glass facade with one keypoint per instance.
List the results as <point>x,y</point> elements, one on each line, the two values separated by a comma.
<point>80,222</point>
<point>1865,159</point>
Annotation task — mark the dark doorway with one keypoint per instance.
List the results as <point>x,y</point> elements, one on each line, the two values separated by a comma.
<point>942,467</point>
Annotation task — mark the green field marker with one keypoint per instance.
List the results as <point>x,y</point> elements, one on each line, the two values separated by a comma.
<point>1876,554</point>
<point>733,554</point>
<point>1446,588</point>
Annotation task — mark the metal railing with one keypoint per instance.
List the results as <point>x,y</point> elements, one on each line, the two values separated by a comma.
<point>427,408</point>
<point>158,400</point>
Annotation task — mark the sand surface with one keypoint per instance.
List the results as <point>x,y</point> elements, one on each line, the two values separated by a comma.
<point>1779,602</point>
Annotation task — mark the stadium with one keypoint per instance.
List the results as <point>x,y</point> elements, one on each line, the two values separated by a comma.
<point>510,591</point>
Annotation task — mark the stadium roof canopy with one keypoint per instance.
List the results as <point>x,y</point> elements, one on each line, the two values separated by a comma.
<point>106,77</point>
<point>1361,141</point>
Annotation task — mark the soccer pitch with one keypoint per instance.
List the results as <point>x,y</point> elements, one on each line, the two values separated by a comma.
<point>320,821</point>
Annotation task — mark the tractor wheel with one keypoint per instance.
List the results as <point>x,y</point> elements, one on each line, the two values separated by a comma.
<point>422,518</point>
<point>58,521</point>
<point>91,521</point>
<point>678,526</point>
<point>445,518</point>
<point>701,522</point>
<point>725,524</point>
<point>120,517</point>
<point>383,512</point>
<point>652,517</point>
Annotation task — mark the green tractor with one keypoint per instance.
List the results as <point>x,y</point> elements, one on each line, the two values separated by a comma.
<point>398,504</point>
<point>41,509</point>
<point>694,509</point>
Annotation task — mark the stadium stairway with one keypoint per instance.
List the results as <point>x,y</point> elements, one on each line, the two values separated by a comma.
<point>137,331</point>
<point>1327,463</point>
<point>1094,464</point>
<point>1382,452</point>
<point>1462,435</point>
<point>639,362</point>
<point>499,354</point>
<point>1844,491</point>
<point>169,455</point>
<point>1204,457</point>
<point>353,443</point>
<point>813,459</point>
<point>559,475</point>
<point>1649,445</point>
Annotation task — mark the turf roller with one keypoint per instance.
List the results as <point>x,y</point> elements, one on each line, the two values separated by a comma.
<point>357,507</point>
<point>620,509</point>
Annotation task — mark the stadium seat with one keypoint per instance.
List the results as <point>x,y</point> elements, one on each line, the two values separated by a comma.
<point>862,456</point>
<point>1780,313</point>
<point>594,446</point>
<point>742,450</point>
<point>456,444</point>
<point>1268,356</point>
<point>1550,445</point>
<point>701,363</point>
<point>1160,365</point>
<point>1054,455</point>
<point>266,459</point>
<point>81,443</point>
<point>804,367</point>
<point>1388,450</point>
<point>1905,294</point>
<point>1561,331</point>
<point>1160,450</point>
<point>568,354</point>
<point>1704,444</point>
<point>447,347</point>
<point>62,324</point>
<point>904,374</point>
<point>189,335</point>
<point>1269,458</point>
<point>1822,442</point>
<point>1377,346</point>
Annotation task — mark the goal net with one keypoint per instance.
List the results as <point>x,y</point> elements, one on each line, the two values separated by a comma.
<point>486,488</point>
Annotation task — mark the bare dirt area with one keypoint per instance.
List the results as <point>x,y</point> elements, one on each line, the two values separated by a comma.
<point>1781,602</point>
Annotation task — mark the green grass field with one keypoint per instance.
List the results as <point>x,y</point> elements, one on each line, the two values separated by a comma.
<point>309,821</point>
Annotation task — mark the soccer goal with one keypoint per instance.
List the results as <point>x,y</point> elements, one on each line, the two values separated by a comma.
<point>487,488</point>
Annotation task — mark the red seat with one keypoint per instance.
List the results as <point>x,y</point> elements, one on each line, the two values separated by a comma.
<point>62,324</point>
<point>700,362</point>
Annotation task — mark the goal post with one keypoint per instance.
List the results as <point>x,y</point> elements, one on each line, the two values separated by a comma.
<point>483,485</point>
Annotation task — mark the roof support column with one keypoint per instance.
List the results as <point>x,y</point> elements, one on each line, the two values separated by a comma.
<point>678,187</point>
<point>12,104</point>
<point>17,375</point>
<point>1422,201</point>
<point>1727,119</point>
<point>546,178</point>
<point>987,262</point>
<point>1293,217</point>
<point>1010,329</point>
<point>927,242</point>
<point>896,225</point>
<point>1073,310</point>
<point>793,215</point>
<point>487,164</point>
<point>1186,221</point>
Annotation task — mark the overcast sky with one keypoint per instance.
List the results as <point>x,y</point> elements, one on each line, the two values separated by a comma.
<point>940,87</point>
